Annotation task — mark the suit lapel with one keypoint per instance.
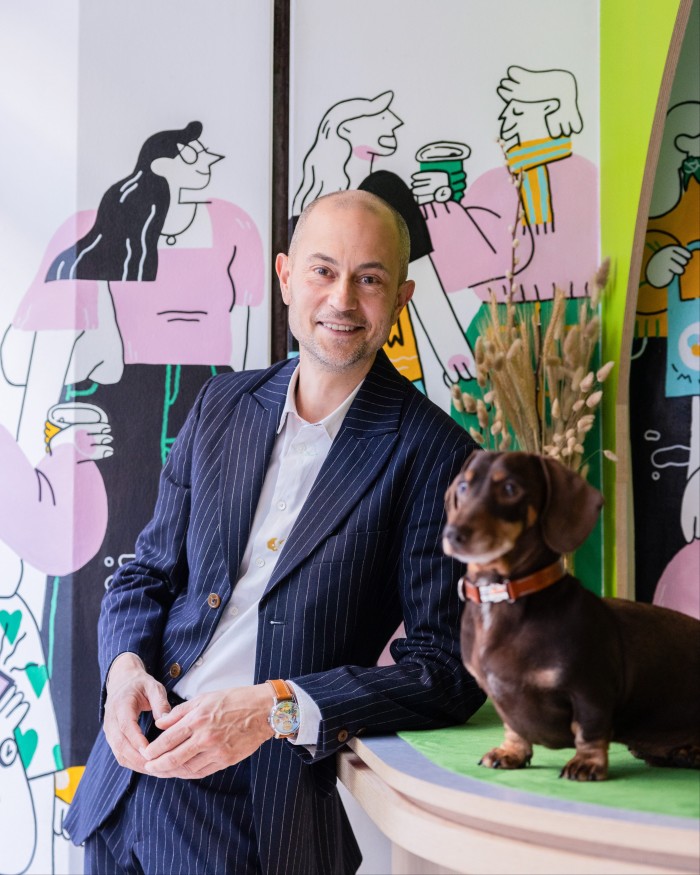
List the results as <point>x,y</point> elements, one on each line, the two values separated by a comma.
<point>357,456</point>
<point>250,438</point>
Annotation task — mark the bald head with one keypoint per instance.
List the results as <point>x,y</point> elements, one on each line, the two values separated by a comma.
<point>350,200</point>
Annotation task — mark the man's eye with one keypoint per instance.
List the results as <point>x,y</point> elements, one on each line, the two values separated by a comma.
<point>322,271</point>
<point>369,280</point>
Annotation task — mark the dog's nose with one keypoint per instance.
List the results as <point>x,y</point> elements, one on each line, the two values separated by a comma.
<point>456,534</point>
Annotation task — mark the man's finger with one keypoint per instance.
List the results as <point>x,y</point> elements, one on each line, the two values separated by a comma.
<point>169,740</point>
<point>133,734</point>
<point>125,736</point>
<point>126,754</point>
<point>171,717</point>
<point>175,756</point>
<point>202,765</point>
<point>157,699</point>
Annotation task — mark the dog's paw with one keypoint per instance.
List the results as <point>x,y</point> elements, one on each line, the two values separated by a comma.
<point>585,768</point>
<point>503,758</point>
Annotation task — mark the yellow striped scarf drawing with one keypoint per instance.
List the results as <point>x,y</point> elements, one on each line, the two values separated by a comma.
<point>531,158</point>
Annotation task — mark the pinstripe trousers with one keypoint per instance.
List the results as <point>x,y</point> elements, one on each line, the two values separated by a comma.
<point>202,827</point>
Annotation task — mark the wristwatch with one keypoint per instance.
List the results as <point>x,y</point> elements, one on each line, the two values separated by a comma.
<point>284,716</point>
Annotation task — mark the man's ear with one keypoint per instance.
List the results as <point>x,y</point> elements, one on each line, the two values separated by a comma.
<point>404,296</point>
<point>282,268</point>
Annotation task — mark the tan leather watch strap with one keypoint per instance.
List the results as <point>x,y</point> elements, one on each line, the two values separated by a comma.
<point>281,689</point>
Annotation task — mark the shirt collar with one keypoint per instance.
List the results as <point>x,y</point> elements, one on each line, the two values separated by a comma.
<point>331,423</point>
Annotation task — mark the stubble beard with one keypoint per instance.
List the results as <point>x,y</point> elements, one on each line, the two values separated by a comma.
<point>331,355</point>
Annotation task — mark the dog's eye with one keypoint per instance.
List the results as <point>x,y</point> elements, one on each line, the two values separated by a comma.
<point>510,489</point>
<point>462,488</point>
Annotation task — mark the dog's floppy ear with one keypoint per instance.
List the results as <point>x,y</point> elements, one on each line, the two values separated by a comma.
<point>470,458</point>
<point>571,508</point>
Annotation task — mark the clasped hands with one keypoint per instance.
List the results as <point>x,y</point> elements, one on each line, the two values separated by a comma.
<point>201,736</point>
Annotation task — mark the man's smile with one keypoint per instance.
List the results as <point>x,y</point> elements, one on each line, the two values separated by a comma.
<point>340,327</point>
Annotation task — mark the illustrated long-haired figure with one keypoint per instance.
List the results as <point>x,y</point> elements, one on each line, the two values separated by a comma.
<point>133,308</point>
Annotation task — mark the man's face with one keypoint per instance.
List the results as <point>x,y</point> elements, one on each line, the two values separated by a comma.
<point>342,285</point>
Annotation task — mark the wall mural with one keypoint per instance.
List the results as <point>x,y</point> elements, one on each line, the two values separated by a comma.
<point>134,307</point>
<point>664,389</point>
<point>456,193</point>
<point>665,376</point>
<point>462,234</point>
<point>156,282</point>
<point>155,274</point>
<point>350,136</point>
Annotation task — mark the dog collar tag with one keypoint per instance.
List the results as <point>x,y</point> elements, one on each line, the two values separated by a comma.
<point>493,592</point>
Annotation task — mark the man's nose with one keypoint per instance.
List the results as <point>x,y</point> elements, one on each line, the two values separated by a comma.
<point>343,294</point>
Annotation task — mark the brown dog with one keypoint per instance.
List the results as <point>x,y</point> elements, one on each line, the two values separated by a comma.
<point>563,667</point>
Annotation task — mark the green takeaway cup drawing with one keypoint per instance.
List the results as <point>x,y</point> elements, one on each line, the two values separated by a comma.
<point>441,176</point>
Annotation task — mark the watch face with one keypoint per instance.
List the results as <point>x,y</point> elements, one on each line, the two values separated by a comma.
<point>284,718</point>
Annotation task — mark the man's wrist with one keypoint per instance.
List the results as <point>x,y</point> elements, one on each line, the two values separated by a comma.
<point>284,715</point>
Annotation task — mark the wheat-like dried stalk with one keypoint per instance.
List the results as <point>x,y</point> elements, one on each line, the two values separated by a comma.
<point>537,380</point>
<point>536,375</point>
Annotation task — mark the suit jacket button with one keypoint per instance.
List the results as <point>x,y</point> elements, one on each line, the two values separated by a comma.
<point>175,670</point>
<point>343,736</point>
<point>214,600</point>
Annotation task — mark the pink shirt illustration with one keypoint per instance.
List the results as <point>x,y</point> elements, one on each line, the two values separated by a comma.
<point>182,316</point>
<point>472,241</point>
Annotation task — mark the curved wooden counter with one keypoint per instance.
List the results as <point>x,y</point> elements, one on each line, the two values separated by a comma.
<point>442,822</point>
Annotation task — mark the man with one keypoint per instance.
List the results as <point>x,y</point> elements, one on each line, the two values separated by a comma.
<point>298,522</point>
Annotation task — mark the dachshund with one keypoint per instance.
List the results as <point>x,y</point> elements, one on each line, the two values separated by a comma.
<point>563,667</point>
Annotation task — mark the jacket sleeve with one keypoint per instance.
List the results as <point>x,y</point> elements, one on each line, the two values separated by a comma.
<point>135,607</point>
<point>428,686</point>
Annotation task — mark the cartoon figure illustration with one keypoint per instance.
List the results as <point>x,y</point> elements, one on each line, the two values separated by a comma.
<point>32,776</point>
<point>665,378</point>
<point>428,344</point>
<point>558,233</point>
<point>134,307</point>
<point>552,219</point>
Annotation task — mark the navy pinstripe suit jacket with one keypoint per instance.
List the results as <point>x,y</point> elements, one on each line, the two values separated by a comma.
<point>364,554</point>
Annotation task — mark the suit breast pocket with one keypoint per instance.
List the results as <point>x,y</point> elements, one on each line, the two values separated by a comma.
<point>354,547</point>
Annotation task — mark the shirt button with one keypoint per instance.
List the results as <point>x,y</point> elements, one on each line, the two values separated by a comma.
<point>301,448</point>
<point>199,661</point>
<point>281,505</point>
<point>343,736</point>
<point>214,600</point>
<point>234,611</point>
<point>175,670</point>
<point>259,562</point>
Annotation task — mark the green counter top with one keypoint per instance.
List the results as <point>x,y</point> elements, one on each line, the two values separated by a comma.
<point>632,784</point>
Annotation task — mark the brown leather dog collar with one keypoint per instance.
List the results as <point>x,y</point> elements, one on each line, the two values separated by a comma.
<point>503,590</point>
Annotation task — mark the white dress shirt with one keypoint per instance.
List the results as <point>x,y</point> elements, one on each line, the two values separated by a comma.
<point>299,451</point>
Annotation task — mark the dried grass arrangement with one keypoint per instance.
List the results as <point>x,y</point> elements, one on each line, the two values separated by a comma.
<point>540,393</point>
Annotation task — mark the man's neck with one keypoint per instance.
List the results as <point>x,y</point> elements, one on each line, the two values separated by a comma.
<point>320,391</point>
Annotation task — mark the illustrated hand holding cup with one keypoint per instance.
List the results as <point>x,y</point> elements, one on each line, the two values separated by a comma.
<point>442,176</point>
<point>84,425</point>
